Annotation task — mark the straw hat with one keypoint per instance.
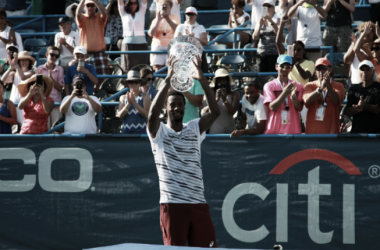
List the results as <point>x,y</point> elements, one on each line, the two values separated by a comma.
<point>221,73</point>
<point>23,86</point>
<point>25,55</point>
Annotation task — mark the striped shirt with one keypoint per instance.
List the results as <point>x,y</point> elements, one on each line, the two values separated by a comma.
<point>178,161</point>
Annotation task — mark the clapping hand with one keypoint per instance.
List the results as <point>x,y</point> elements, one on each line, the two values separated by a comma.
<point>360,105</point>
<point>293,95</point>
<point>353,37</point>
<point>289,89</point>
<point>62,40</point>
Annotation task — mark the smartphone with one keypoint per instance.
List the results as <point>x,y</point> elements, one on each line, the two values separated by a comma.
<point>81,63</point>
<point>39,80</point>
<point>79,87</point>
<point>164,9</point>
<point>264,11</point>
<point>291,50</point>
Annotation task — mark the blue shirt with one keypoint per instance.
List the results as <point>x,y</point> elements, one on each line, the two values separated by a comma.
<point>71,71</point>
<point>152,92</point>
<point>13,5</point>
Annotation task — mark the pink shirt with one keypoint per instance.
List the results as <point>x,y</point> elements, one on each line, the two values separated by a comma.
<point>272,90</point>
<point>35,118</point>
<point>57,75</point>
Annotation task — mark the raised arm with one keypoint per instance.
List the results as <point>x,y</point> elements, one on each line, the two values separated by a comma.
<point>108,9</point>
<point>360,42</point>
<point>279,35</point>
<point>79,11</point>
<point>101,8</point>
<point>153,27</point>
<point>292,11</point>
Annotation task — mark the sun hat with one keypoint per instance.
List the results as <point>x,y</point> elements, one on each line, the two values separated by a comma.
<point>25,55</point>
<point>222,72</point>
<point>284,59</point>
<point>322,61</point>
<point>68,11</point>
<point>23,86</point>
<point>191,10</point>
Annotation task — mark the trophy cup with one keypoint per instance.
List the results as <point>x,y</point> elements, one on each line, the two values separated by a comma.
<point>184,49</point>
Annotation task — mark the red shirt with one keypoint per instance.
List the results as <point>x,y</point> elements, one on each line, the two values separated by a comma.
<point>36,119</point>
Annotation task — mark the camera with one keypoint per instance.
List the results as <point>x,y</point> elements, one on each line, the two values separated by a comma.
<point>39,80</point>
<point>79,86</point>
<point>164,9</point>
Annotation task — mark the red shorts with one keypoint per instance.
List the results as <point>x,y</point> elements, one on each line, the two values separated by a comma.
<point>187,222</point>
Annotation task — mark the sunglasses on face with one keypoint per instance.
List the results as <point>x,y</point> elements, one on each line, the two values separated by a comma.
<point>133,82</point>
<point>90,5</point>
<point>322,68</point>
<point>190,14</point>
<point>285,66</point>
<point>375,48</point>
<point>54,55</point>
<point>149,79</point>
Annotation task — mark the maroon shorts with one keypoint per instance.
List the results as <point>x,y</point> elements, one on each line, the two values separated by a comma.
<point>187,222</point>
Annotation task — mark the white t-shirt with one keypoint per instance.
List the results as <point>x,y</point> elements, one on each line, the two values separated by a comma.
<point>5,34</point>
<point>196,28</point>
<point>309,26</point>
<point>255,113</point>
<point>355,72</point>
<point>256,12</point>
<point>241,20</point>
<point>133,26</point>
<point>176,9</point>
<point>72,39</point>
<point>80,118</point>
<point>178,162</point>
<point>19,42</point>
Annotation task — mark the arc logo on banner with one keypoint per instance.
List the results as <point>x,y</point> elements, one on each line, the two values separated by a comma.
<point>44,170</point>
<point>313,189</point>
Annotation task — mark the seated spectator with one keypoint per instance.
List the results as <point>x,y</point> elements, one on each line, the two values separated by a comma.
<point>363,44</point>
<point>162,30</point>
<point>16,7</point>
<point>71,12</point>
<point>265,32</point>
<point>281,10</point>
<point>5,63</point>
<point>284,99</point>
<point>80,66</point>
<point>80,108</point>
<point>338,25</point>
<point>192,28</point>
<point>133,17</point>
<point>36,103</point>
<point>55,73</point>
<point>66,41</point>
<point>237,17</point>
<point>146,76</point>
<point>134,106</point>
<point>375,49</point>
<point>22,63</point>
<point>177,4</point>
<point>308,14</point>
<point>228,102</point>
<point>363,101</point>
<point>253,112</point>
<point>8,116</point>
<point>7,35</point>
<point>323,99</point>
<point>114,27</point>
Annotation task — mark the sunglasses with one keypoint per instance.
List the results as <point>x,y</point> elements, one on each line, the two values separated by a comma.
<point>54,55</point>
<point>133,82</point>
<point>149,79</point>
<point>133,3</point>
<point>189,14</point>
<point>320,68</point>
<point>90,5</point>
<point>285,66</point>
<point>375,48</point>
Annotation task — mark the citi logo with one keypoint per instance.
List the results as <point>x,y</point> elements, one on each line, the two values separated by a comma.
<point>313,189</point>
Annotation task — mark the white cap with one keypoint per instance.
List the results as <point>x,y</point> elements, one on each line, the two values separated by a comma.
<point>11,45</point>
<point>268,2</point>
<point>81,50</point>
<point>366,62</point>
<point>191,10</point>
<point>68,11</point>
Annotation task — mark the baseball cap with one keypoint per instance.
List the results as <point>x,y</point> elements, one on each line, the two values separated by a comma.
<point>11,45</point>
<point>268,2</point>
<point>322,61</point>
<point>64,19</point>
<point>80,50</point>
<point>191,10</point>
<point>79,78</point>
<point>366,62</point>
<point>284,59</point>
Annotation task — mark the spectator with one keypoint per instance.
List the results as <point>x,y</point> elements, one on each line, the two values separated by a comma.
<point>338,26</point>
<point>146,76</point>
<point>7,34</point>
<point>375,49</point>
<point>192,28</point>
<point>227,100</point>
<point>284,99</point>
<point>194,99</point>
<point>162,30</point>
<point>281,10</point>
<point>23,64</point>
<point>18,37</point>
<point>175,8</point>
<point>55,73</point>
<point>323,99</point>
<point>114,27</point>
<point>133,17</point>
<point>16,7</point>
<point>80,108</point>
<point>363,101</point>
<point>91,25</point>
<point>88,70</point>
<point>134,106</point>
<point>66,41</point>
<point>8,116</point>
<point>253,112</point>
<point>71,11</point>
<point>36,103</point>
<point>308,14</point>
<point>237,17</point>
<point>255,18</point>
<point>265,31</point>
<point>5,63</point>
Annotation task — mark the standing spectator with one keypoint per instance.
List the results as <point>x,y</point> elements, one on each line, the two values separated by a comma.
<point>66,41</point>
<point>7,35</point>
<point>227,100</point>
<point>284,99</point>
<point>133,17</point>
<point>71,11</point>
<point>80,108</point>
<point>253,112</point>
<point>88,70</point>
<point>16,7</point>
<point>91,31</point>
<point>237,17</point>
<point>323,98</point>
<point>338,26</point>
<point>114,27</point>
<point>5,63</point>
<point>281,10</point>
<point>363,101</point>
<point>176,7</point>
<point>146,76</point>
<point>162,30</point>
<point>265,32</point>
<point>36,103</point>
<point>55,73</point>
<point>8,116</point>
<point>308,14</point>
<point>18,37</point>
<point>134,106</point>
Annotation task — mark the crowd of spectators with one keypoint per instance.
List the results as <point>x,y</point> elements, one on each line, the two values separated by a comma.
<point>304,96</point>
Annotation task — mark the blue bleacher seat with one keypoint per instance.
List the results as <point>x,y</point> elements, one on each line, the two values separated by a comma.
<point>21,31</point>
<point>34,44</point>
<point>41,61</point>
<point>238,60</point>
<point>42,52</point>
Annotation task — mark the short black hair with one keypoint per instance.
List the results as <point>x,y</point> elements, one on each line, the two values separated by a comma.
<point>254,84</point>
<point>175,92</point>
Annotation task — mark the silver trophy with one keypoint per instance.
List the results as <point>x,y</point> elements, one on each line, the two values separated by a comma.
<point>184,49</point>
